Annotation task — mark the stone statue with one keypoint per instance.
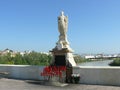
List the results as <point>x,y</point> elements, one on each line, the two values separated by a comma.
<point>62,51</point>
<point>63,27</point>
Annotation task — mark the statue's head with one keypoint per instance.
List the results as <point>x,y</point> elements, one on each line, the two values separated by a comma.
<point>62,13</point>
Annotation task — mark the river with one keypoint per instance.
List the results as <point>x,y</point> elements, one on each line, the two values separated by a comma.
<point>96,63</point>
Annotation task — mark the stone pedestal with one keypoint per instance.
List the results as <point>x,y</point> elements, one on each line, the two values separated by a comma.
<point>62,53</point>
<point>63,57</point>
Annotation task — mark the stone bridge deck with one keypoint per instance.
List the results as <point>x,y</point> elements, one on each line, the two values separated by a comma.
<point>12,84</point>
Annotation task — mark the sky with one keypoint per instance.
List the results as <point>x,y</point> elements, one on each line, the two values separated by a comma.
<point>94,25</point>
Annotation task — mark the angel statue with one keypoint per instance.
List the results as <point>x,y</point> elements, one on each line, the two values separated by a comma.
<point>63,27</point>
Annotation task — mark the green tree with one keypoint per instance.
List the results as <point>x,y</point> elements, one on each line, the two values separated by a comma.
<point>79,59</point>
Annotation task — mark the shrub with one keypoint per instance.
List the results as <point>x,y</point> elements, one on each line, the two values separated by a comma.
<point>116,62</point>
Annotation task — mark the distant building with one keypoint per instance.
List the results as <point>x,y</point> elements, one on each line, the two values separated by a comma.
<point>89,57</point>
<point>6,51</point>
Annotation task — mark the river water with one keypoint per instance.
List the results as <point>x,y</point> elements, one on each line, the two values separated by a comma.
<point>96,63</point>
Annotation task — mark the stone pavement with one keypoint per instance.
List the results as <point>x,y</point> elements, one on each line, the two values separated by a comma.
<point>13,84</point>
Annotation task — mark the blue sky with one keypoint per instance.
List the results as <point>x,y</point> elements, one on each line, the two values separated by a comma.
<point>94,25</point>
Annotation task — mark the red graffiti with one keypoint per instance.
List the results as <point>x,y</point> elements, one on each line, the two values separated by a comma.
<point>51,71</point>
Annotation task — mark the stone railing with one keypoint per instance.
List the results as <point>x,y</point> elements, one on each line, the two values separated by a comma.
<point>22,71</point>
<point>98,75</point>
<point>88,74</point>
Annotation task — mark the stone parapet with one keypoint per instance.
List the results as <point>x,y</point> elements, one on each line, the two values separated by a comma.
<point>98,75</point>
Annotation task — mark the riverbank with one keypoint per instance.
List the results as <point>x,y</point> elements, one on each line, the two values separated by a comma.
<point>96,63</point>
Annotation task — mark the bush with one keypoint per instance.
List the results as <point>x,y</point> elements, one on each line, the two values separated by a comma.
<point>79,59</point>
<point>33,58</point>
<point>116,62</point>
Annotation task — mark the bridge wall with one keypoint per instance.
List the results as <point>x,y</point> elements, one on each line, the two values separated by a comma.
<point>98,75</point>
<point>89,75</point>
<point>22,71</point>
